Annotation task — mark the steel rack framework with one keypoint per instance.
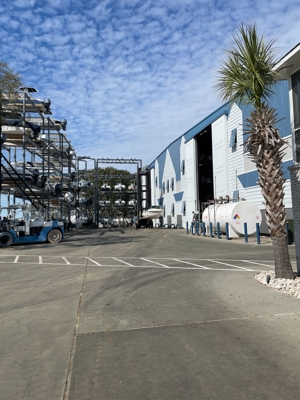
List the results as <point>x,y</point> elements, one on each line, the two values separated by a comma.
<point>43,174</point>
<point>115,205</point>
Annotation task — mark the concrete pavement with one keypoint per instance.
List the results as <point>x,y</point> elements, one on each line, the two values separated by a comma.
<point>147,314</point>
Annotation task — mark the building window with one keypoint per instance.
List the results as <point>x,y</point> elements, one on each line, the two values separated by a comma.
<point>156,181</point>
<point>164,188</point>
<point>173,210</point>
<point>168,186</point>
<point>183,209</point>
<point>172,184</point>
<point>183,167</point>
<point>233,138</point>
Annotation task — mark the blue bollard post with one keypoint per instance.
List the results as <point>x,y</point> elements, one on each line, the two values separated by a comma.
<point>257,233</point>
<point>197,228</point>
<point>287,233</point>
<point>192,228</point>
<point>187,228</point>
<point>219,230</point>
<point>211,229</point>
<point>246,232</point>
<point>203,228</point>
<point>227,231</point>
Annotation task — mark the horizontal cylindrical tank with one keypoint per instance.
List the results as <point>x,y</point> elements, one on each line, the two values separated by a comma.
<point>236,214</point>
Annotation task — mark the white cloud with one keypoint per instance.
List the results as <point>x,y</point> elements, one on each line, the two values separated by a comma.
<point>130,77</point>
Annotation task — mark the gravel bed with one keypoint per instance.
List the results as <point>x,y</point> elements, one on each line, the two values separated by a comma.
<point>289,286</point>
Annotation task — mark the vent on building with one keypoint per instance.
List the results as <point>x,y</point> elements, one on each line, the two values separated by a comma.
<point>183,209</point>
<point>233,138</point>
<point>183,167</point>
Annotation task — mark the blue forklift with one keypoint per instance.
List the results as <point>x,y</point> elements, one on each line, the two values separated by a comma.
<point>27,230</point>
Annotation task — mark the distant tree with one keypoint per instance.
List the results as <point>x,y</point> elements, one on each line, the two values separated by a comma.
<point>113,176</point>
<point>247,76</point>
<point>10,83</point>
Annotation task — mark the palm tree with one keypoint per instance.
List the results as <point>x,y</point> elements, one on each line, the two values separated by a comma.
<point>246,76</point>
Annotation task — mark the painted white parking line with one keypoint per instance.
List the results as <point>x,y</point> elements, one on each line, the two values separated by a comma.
<point>257,263</point>
<point>230,265</point>
<point>95,262</point>
<point>138,262</point>
<point>130,265</point>
<point>195,265</point>
<point>155,262</point>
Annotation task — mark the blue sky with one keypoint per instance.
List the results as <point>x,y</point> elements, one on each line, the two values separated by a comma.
<point>131,76</point>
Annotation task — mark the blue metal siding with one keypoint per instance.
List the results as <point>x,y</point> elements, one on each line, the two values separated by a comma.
<point>250,179</point>
<point>174,151</point>
<point>207,121</point>
<point>161,166</point>
<point>279,101</point>
<point>178,196</point>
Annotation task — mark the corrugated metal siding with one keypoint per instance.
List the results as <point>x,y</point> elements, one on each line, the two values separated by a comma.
<point>279,101</point>
<point>174,151</point>
<point>235,154</point>
<point>167,175</point>
<point>182,182</point>
<point>161,165</point>
<point>191,195</point>
<point>220,156</point>
<point>250,178</point>
<point>152,184</point>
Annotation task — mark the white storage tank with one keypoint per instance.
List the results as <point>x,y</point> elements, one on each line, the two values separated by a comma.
<point>236,214</point>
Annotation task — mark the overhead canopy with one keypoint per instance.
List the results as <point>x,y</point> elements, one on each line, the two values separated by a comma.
<point>286,66</point>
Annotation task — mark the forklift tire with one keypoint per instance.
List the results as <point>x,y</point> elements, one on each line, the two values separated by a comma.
<point>6,239</point>
<point>54,236</point>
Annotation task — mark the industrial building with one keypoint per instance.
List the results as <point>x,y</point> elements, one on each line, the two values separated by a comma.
<point>288,69</point>
<point>208,163</point>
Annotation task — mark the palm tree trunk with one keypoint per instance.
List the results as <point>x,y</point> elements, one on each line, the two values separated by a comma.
<point>266,149</point>
<point>283,267</point>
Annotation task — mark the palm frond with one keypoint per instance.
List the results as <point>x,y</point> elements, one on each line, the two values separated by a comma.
<point>246,74</point>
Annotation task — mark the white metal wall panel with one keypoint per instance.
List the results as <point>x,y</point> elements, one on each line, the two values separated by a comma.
<point>235,154</point>
<point>250,166</point>
<point>153,189</point>
<point>183,185</point>
<point>157,190</point>
<point>191,178</point>
<point>220,156</point>
<point>168,174</point>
